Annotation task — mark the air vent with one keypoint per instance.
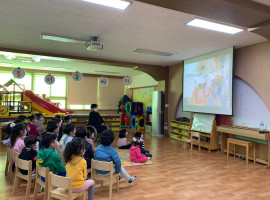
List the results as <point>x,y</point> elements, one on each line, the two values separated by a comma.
<point>157,53</point>
<point>107,72</point>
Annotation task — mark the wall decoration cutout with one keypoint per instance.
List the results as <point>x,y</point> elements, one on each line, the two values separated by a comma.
<point>18,73</point>
<point>127,80</point>
<point>103,81</point>
<point>49,79</point>
<point>77,76</point>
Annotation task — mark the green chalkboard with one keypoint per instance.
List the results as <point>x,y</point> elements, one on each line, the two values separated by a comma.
<point>203,122</point>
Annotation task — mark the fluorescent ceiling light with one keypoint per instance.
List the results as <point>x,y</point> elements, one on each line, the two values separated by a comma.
<point>214,26</point>
<point>61,39</point>
<point>48,67</point>
<point>6,64</point>
<point>119,4</point>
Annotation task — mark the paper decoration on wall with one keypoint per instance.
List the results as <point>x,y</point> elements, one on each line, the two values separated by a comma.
<point>77,76</point>
<point>103,81</point>
<point>18,73</point>
<point>49,79</point>
<point>127,80</point>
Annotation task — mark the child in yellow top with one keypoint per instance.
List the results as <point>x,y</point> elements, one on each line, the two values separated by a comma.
<point>76,167</point>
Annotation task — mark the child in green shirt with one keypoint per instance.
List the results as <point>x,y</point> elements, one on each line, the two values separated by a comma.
<point>48,157</point>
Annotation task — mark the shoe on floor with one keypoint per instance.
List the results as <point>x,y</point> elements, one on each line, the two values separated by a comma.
<point>132,179</point>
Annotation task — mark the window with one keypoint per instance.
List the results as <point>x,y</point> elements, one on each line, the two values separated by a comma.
<point>5,76</point>
<point>79,107</point>
<point>56,92</point>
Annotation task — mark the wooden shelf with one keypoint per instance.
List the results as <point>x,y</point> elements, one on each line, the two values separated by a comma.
<point>202,144</point>
<point>179,133</point>
<point>178,140</point>
<point>185,123</point>
<point>180,128</point>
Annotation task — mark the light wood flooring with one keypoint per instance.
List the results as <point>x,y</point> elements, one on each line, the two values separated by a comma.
<point>178,173</point>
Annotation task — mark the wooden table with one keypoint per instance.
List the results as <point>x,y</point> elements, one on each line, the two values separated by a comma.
<point>263,150</point>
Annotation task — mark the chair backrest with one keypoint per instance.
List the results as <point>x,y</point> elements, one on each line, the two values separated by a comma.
<point>101,165</point>
<point>10,155</point>
<point>24,164</point>
<point>42,171</point>
<point>15,155</point>
<point>60,181</point>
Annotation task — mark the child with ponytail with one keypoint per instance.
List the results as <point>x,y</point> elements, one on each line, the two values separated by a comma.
<point>18,133</point>
<point>76,167</point>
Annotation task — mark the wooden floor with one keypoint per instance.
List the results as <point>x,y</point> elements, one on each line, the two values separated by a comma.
<point>178,173</point>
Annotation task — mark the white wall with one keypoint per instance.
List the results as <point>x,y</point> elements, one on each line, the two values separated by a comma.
<point>142,80</point>
<point>248,107</point>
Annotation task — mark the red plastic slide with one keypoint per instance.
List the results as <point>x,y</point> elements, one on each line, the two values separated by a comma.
<point>40,104</point>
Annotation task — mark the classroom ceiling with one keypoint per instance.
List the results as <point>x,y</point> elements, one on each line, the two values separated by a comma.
<point>50,63</point>
<point>156,25</point>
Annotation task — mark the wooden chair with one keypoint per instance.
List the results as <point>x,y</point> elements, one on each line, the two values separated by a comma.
<point>104,166</point>
<point>63,188</point>
<point>25,165</point>
<point>244,143</point>
<point>61,154</point>
<point>192,140</point>
<point>44,172</point>
<point>8,169</point>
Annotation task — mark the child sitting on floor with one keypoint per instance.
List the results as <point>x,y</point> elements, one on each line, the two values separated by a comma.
<point>76,167</point>
<point>69,131</point>
<point>29,152</point>
<point>39,123</point>
<point>105,152</point>
<point>48,157</point>
<point>18,133</point>
<point>139,137</point>
<point>135,152</point>
<point>122,140</point>
<point>33,128</point>
<point>66,120</point>
<point>90,140</point>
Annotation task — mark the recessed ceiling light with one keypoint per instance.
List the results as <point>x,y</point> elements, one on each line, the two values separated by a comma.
<point>26,61</point>
<point>119,4</point>
<point>214,26</point>
<point>6,64</point>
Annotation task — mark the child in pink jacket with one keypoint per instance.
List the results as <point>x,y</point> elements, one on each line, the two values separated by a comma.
<point>135,152</point>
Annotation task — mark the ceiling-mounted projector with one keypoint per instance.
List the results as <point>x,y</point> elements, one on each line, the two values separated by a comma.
<point>93,44</point>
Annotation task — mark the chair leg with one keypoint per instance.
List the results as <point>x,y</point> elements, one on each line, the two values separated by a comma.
<point>247,153</point>
<point>254,153</point>
<point>6,169</point>
<point>46,193</point>
<point>117,183</point>
<point>36,191</point>
<point>16,184</point>
<point>228,149</point>
<point>28,188</point>
<point>110,189</point>
<point>234,152</point>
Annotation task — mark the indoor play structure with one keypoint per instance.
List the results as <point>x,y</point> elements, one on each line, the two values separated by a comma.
<point>15,100</point>
<point>131,114</point>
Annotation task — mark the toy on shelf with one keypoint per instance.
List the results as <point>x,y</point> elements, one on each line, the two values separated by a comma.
<point>131,113</point>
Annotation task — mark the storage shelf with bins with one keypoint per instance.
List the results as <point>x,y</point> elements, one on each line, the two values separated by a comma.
<point>179,130</point>
<point>112,120</point>
<point>81,120</point>
<point>148,121</point>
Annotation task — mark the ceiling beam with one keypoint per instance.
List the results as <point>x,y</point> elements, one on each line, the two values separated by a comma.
<point>156,71</point>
